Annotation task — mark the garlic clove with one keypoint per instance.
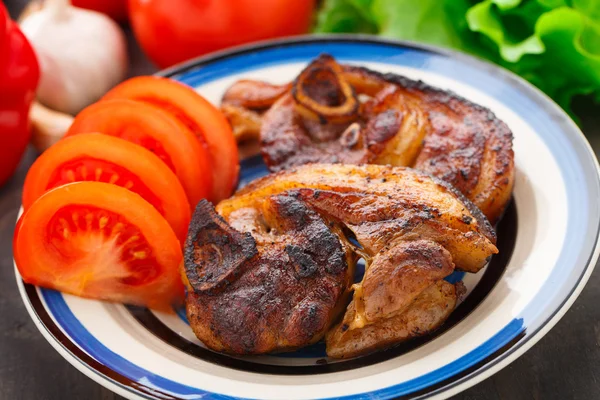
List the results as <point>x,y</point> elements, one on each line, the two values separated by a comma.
<point>47,126</point>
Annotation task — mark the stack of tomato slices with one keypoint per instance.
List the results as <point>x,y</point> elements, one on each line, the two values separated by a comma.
<point>106,209</point>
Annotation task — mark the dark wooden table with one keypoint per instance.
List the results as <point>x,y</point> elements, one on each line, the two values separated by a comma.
<point>565,364</point>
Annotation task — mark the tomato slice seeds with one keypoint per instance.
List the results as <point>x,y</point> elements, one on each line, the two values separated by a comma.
<point>95,237</point>
<point>156,130</point>
<point>101,241</point>
<point>103,158</point>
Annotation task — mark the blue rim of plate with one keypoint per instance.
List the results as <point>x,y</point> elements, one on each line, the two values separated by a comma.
<point>573,154</point>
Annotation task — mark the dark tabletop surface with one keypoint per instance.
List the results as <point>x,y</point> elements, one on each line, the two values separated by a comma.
<point>565,364</point>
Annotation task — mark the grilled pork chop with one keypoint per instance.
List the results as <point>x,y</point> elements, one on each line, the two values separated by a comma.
<point>336,113</point>
<point>271,268</point>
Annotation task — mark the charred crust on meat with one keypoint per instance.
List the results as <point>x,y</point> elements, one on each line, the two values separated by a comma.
<point>215,253</point>
<point>292,210</point>
<point>308,319</point>
<point>321,247</point>
<point>304,264</point>
<point>312,264</point>
<point>293,278</point>
<point>319,92</point>
<point>456,140</point>
<point>294,269</point>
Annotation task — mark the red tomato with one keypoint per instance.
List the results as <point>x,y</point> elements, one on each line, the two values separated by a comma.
<point>116,9</point>
<point>103,158</point>
<point>204,119</point>
<point>100,241</point>
<point>156,130</point>
<point>171,31</point>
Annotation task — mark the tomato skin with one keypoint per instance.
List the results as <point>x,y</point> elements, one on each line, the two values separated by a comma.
<point>156,130</point>
<point>116,9</point>
<point>103,158</point>
<point>93,258</point>
<point>204,119</point>
<point>171,31</point>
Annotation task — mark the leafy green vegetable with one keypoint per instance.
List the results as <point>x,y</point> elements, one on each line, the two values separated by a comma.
<point>555,44</point>
<point>346,16</point>
<point>428,22</point>
<point>484,18</point>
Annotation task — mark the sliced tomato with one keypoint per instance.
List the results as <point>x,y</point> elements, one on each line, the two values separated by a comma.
<point>156,130</point>
<point>204,119</point>
<point>101,241</point>
<point>103,158</point>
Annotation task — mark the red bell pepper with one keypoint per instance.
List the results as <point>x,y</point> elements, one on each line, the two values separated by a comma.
<point>19,76</point>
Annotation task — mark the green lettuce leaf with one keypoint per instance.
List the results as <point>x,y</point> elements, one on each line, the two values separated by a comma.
<point>338,16</point>
<point>486,19</point>
<point>429,21</point>
<point>571,63</point>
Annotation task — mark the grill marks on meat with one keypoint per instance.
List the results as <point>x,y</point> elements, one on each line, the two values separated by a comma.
<point>398,121</point>
<point>283,279</point>
<point>223,254</point>
<point>271,268</point>
<point>294,275</point>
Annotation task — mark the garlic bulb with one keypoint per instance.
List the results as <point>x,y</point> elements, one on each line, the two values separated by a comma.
<point>82,54</point>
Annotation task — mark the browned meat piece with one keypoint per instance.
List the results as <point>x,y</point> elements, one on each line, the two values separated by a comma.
<point>426,313</point>
<point>463,144</point>
<point>244,103</point>
<point>275,284</point>
<point>244,122</point>
<point>346,114</point>
<point>255,95</point>
<point>271,269</point>
<point>381,204</point>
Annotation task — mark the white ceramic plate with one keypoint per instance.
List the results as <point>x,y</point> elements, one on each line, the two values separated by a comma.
<point>547,241</point>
